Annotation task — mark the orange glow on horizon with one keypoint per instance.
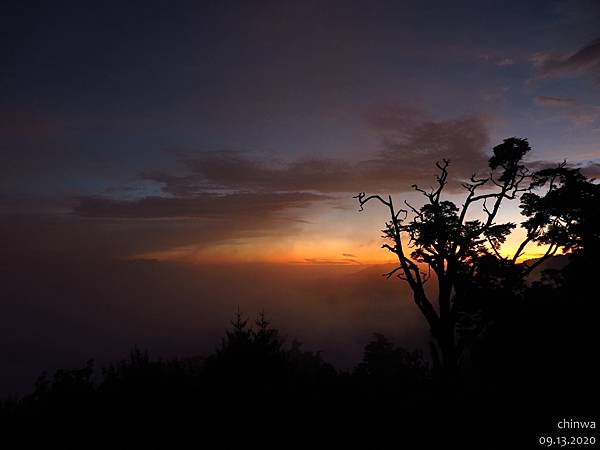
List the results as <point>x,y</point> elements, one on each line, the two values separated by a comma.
<point>288,250</point>
<point>304,251</point>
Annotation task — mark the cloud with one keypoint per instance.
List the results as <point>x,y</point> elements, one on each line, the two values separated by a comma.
<point>206,205</point>
<point>584,60</point>
<point>585,116</point>
<point>505,62</point>
<point>579,115</point>
<point>54,237</point>
<point>410,144</point>
<point>226,196</point>
<point>330,261</point>
<point>544,100</point>
<point>124,228</point>
<point>591,170</point>
<point>493,57</point>
<point>411,147</point>
<point>496,94</point>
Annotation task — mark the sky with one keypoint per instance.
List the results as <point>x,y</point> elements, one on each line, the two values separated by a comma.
<point>206,131</point>
<point>234,134</point>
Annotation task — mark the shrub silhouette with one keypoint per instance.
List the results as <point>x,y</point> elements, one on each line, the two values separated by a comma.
<point>387,370</point>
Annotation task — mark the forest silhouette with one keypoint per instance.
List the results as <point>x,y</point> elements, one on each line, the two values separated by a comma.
<point>513,343</point>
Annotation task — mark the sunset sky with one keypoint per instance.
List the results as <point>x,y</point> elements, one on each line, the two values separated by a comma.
<point>203,131</point>
<point>137,137</point>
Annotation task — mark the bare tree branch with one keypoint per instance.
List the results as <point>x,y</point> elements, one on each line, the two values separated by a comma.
<point>498,255</point>
<point>522,245</point>
<point>362,200</point>
<point>551,251</point>
<point>389,274</point>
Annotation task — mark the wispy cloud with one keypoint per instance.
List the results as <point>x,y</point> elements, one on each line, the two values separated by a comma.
<point>496,58</point>
<point>545,100</point>
<point>505,62</point>
<point>570,110</point>
<point>586,60</point>
<point>206,205</point>
<point>233,194</point>
<point>329,261</point>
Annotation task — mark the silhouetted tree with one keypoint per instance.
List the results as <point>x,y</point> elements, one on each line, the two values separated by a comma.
<point>465,254</point>
<point>387,364</point>
<point>562,303</point>
<point>266,338</point>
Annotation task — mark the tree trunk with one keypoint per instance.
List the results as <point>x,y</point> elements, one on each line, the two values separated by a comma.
<point>448,364</point>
